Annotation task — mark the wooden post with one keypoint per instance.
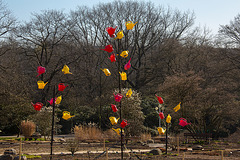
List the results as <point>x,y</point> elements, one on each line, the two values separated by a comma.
<point>104,148</point>
<point>178,145</point>
<point>20,148</point>
<point>221,154</point>
<point>107,154</point>
<point>183,155</point>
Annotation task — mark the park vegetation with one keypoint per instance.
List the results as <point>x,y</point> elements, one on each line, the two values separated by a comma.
<point>170,57</point>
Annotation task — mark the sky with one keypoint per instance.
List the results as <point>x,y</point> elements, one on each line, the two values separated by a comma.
<point>209,13</point>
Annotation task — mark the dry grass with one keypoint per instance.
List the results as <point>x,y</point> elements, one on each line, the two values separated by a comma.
<point>145,136</point>
<point>28,128</point>
<point>87,132</point>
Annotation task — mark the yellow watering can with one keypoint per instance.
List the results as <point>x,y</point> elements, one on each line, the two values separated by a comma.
<point>129,93</point>
<point>113,120</point>
<point>106,71</point>
<point>41,84</point>
<point>130,25</point>
<point>177,107</point>
<point>168,119</point>
<point>161,131</point>
<point>123,75</point>
<point>118,130</point>
<point>119,35</point>
<point>65,70</point>
<point>124,54</point>
<point>58,100</point>
<point>66,115</point>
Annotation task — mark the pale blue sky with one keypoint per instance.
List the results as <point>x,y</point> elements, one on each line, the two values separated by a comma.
<point>209,13</point>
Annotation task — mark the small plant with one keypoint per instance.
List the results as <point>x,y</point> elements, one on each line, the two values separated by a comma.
<point>27,128</point>
<point>31,156</point>
<point>72,145</point>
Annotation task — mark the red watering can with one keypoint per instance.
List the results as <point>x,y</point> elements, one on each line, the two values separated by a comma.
<point>112,58</point>
<point>128,65</point>
<point>37,106</point>
<point>61,87</point>
<point>117,97</point>
<point>51,101</point>
<point>160,100</point>
<point>161,115</point>
<point>108,48</point>
<point>40,70</point>
<point>183,122</point>
<point>111,31</point>
<point>114,108</point>
<point>124,123</point>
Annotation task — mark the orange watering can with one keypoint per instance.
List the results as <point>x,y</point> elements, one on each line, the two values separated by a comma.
<point>117,97</point>
<point>161,115</point>
<point>112,58</point>
<point>40,70</point>
<point>183,122</point>
<point>111,31</point>
<point>58,100</point>
<point>168,119</point>
<point>161,131</point>
<point>108,48</point>
<point>118,130</point>
<point>41,84</point>
<point>106,71</point>
<point>66,115</point>
<point>119,35</point>
<point>160,100</point>
<point>61,86</point>
<point>128,65</point>
<point>130,25</point>
<point>129,93</point>
<point>124,123</point>
<point>65,70</point>
<point>37,106</point>
<point>123,76</point>
<point>177,107</point>
<point>124,54</point>
<point>113,120</point>
<point>114,108</point>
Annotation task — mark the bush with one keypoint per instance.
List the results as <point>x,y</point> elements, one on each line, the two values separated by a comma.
<point>28,128</point>
<point>88,132</point>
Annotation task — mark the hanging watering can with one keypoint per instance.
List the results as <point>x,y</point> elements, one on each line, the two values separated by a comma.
<point>117,97</point>
<point>119,35</point>
<point>124,123</point>
<point>130,25</point>
<point>129,93</point>
<point>183,122</point>
<point>118,130</point>
<point>111,31</point>
<point>112,58</point>
<point>66,115</point>
<point>168,119</point>
<point>51,101</point>
<point>41,84</point>
<point>160,100</point>
<point>177,107</point>
<point>108,48</point>
<point>161,115</point>
<point>65,70</point>
<point>123,76</point>
<point>113,120</point>
<point>161,131</point>
<point>61,86</point>
<point>37,106</point>
<point>124,54</point>
<point>114,108</point>
<point>40,70</point>
<point>128,65</point>
<point>58,100</point>
<point>106,71</point>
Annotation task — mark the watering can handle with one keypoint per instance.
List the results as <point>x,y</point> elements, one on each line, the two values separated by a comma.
<point>65,112</point>
<point>128,22</point>
<point>182,119</point>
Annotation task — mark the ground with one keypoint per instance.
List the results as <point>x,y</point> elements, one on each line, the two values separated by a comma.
<point>94,150</point>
